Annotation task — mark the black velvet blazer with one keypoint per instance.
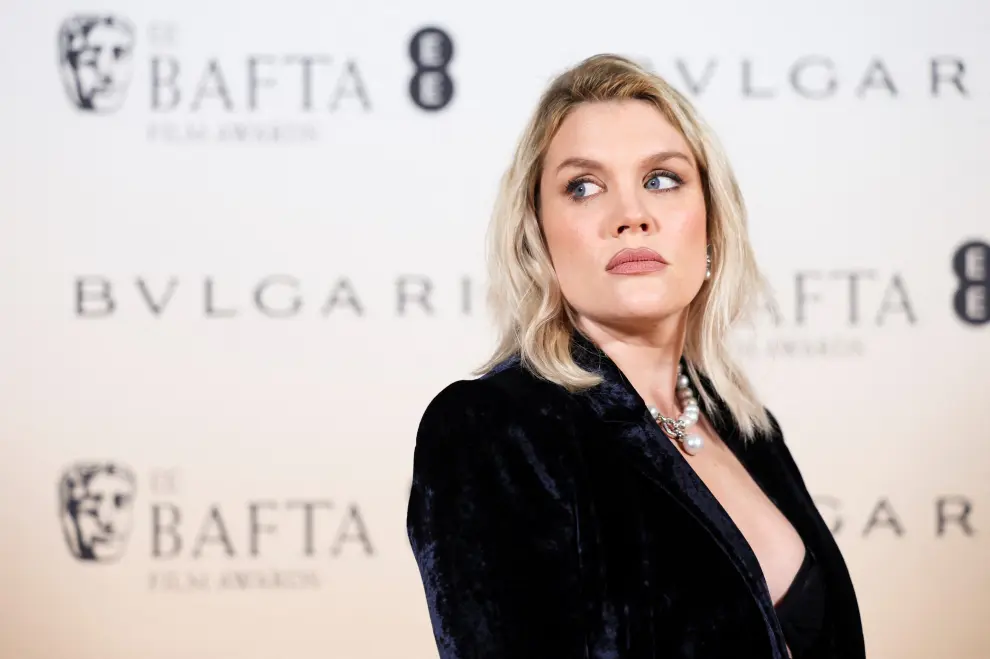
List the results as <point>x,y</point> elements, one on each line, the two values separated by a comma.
<point>553,525</point>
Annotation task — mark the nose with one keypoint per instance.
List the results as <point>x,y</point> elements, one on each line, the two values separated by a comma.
<point>631,215</point>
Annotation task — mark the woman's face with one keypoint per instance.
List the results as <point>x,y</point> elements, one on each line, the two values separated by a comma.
<point>617,176</point>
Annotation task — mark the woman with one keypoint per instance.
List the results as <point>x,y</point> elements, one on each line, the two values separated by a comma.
<point>611,486</point>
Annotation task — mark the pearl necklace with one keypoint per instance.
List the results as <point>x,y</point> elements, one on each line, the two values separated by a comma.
<point>677,428</point>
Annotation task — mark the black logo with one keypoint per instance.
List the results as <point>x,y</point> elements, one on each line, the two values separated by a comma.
<point>96,502</point>
<point>431,50</point>
<point>971,264</point>
<point>95,55</point>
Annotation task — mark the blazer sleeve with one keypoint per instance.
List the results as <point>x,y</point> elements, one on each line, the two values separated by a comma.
<point>492,532</point>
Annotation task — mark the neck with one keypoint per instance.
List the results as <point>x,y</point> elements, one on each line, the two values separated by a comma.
<point>649,359</point>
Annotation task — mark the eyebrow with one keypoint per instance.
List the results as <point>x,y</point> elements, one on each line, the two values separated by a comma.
<point>588,163</point>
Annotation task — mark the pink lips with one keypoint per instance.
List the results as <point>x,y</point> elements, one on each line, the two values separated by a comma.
<point>633,261</point>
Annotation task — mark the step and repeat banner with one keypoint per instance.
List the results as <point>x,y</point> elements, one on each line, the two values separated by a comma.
<point>241,248</point>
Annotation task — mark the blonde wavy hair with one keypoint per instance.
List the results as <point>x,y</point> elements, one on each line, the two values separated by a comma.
<point>535,322</point>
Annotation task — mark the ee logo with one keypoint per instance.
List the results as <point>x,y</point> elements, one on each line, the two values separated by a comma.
<point>431,87</point>
<point>971,264</point>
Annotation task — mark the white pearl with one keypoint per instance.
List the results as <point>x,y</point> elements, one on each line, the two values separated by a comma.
<point>692,408</point>
<point>689,417</point>
<point>684,394</point>
<point>653,411</point>
<point>693,444</point>
<point>683,381</point>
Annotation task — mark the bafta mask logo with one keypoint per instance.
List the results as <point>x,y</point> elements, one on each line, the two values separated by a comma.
<point>95,57</point>
<point>96,502</point>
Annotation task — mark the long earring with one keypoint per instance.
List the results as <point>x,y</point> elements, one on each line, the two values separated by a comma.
<point>708,262</point>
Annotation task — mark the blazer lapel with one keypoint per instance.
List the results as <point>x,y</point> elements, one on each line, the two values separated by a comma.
<point>639,438</point>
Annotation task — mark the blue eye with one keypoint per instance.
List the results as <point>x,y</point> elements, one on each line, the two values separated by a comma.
<point>662,181</point>
<point>581,188</point>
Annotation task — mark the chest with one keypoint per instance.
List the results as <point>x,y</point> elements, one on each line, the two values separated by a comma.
<point>774,541</point>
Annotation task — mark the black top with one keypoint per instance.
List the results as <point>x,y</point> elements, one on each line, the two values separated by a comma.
<point>551,523</point>
<point>801,610</point>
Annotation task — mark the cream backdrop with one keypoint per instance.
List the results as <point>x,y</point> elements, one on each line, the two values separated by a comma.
<point>237,298</point>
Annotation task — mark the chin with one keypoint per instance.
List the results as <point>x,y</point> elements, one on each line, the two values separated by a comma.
<point>648,301</point>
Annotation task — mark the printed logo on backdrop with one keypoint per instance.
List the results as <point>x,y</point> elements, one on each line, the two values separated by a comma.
<point>96,59</point>
<point>256,96</point>
<point>276,296</point>
<point>946,516</point>
<point>821,312</point>
<point>431,86</point>
<point>971,265</point>
<point>96,506</point>
<point>814,77</point>
<point>200,541</point>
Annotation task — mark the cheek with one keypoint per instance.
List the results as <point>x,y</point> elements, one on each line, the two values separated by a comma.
<point>688,230</point>
<point>569,240</point>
